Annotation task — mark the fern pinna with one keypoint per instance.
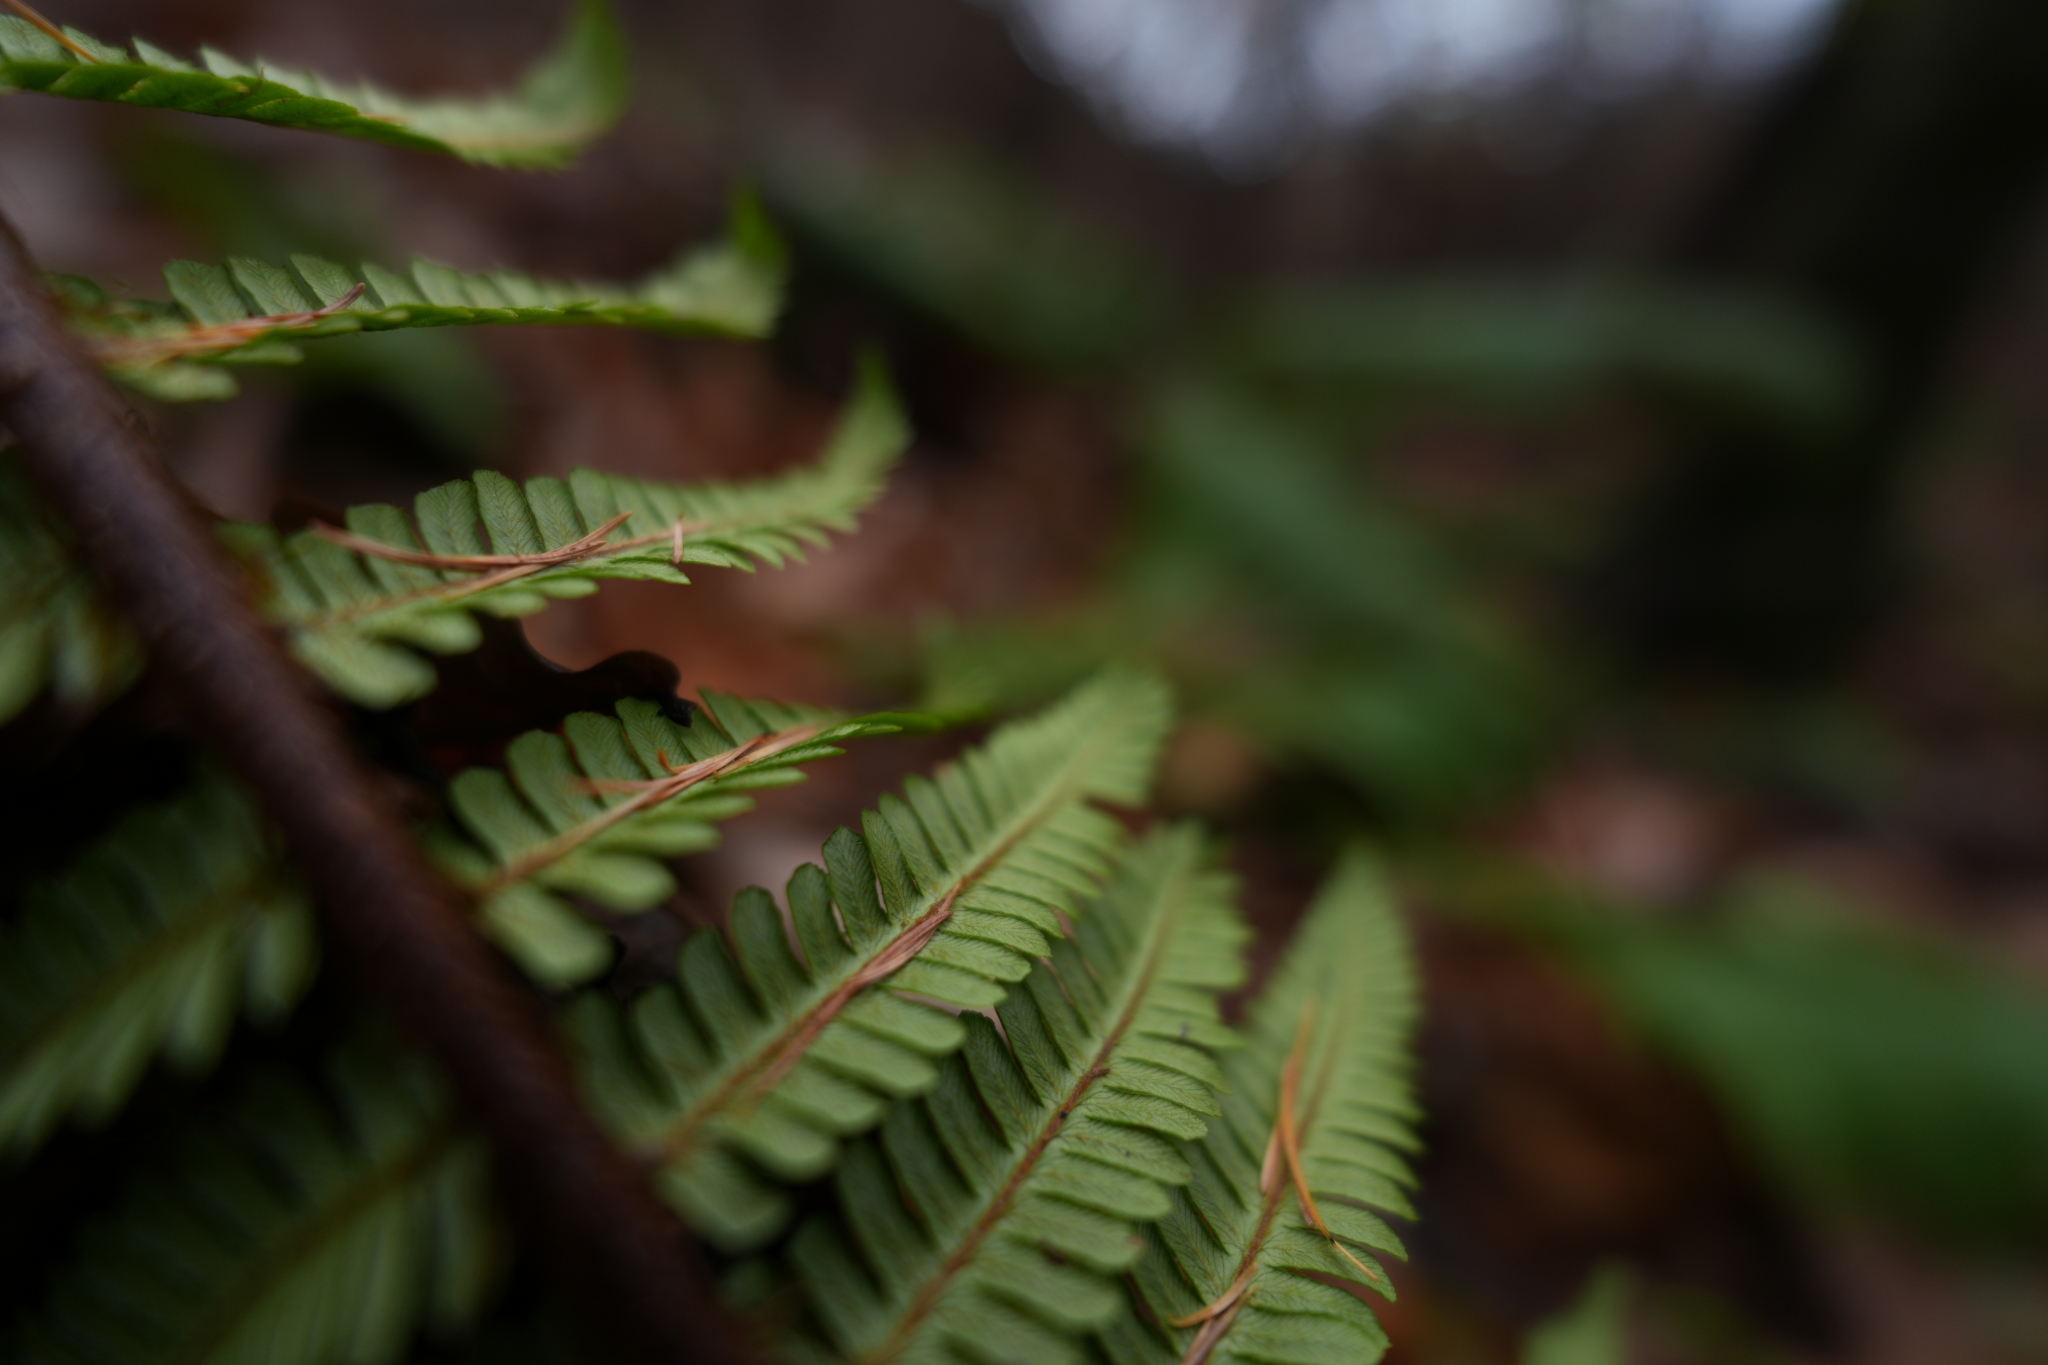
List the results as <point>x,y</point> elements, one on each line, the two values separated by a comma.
<point>351,602</point>
<point>251,312</point>
<point>313,1224</point>
<point>564,103</point>
<point>748,1071</point>
<point>590,812</point>
<point>149,942</point>
<point>1248,1262</point>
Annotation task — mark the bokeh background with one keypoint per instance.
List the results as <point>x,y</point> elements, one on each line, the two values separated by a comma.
<point>1597,449</point>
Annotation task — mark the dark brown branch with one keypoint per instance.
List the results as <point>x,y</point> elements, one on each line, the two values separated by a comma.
<point>584,1206</point>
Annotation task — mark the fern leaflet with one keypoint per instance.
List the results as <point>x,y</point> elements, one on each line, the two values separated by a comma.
<point>571,98</point>
<point>147,944</point>
<point>355,604</point>
<point>54,629</point>
<point>592,810</point>
<point>1279,1190</point>
<point>249,311</point>
<point>763,1064</point>
<point>990,1218</point>
<point>308,1229</point>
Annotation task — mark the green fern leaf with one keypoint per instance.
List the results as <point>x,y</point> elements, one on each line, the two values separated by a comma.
<point>757,1060</point>
<point>249,311</point>
<point>990,1218</point>
<point>149,943</point>
<point>1237,1243</point>
<point>54,630</point>
<point>571,98</point>
<point>309,1229</point>
<point>592,811</point>
<point>356,605</point>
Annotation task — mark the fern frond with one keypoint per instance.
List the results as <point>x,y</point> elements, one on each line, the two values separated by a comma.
<point>356,604</point>
<point>567,101</point>
<point>592,811</point>
<point>249,311</point>
<point>991,1217</point>
<point>55,631</point>
<point>149,943</point>
<point>1232,1263</point>
<point>309,1229</point>
<point>756,1060</point>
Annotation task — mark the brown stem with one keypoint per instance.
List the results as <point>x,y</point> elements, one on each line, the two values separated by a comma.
<point>584,1207</point>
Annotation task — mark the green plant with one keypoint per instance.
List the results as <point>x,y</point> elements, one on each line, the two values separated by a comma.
<point>965,1093</point>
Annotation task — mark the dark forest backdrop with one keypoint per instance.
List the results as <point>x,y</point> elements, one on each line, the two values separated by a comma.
<point>1626,501</point>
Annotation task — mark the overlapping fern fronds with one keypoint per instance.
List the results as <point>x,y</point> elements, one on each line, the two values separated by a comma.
<point>564,103</point>
<point>307,1229</point>
<point>151,942</point>
<point>1313,1130</point>
<point>55,631</point>
<point>250,311</point>
<point>591,812</point>
<point>356,604</point>
<point>989,1219</point>
<point>753,1066</point>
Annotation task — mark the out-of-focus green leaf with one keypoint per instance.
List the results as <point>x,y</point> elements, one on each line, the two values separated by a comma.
<point>566,102</point>
<point>1870,1066</point>
<point>1589,1332</point>
<point>1544,341</point>
<point>1274,513</point>
<point>980,249</point>
<point>1377,662</point>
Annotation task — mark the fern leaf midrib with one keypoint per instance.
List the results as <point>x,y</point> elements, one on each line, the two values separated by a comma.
<point>469,587</point>
<point>278,1262</point>
<point>999,1205</point>
<point>757,750</point>
<point>159,948</point>
<point>766,1063</point>
<point>1343,989</point>
<point>1245,1276</point>
<point>142,351</point>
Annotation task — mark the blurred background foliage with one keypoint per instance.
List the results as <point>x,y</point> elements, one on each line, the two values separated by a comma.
<point>1595,449</point>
